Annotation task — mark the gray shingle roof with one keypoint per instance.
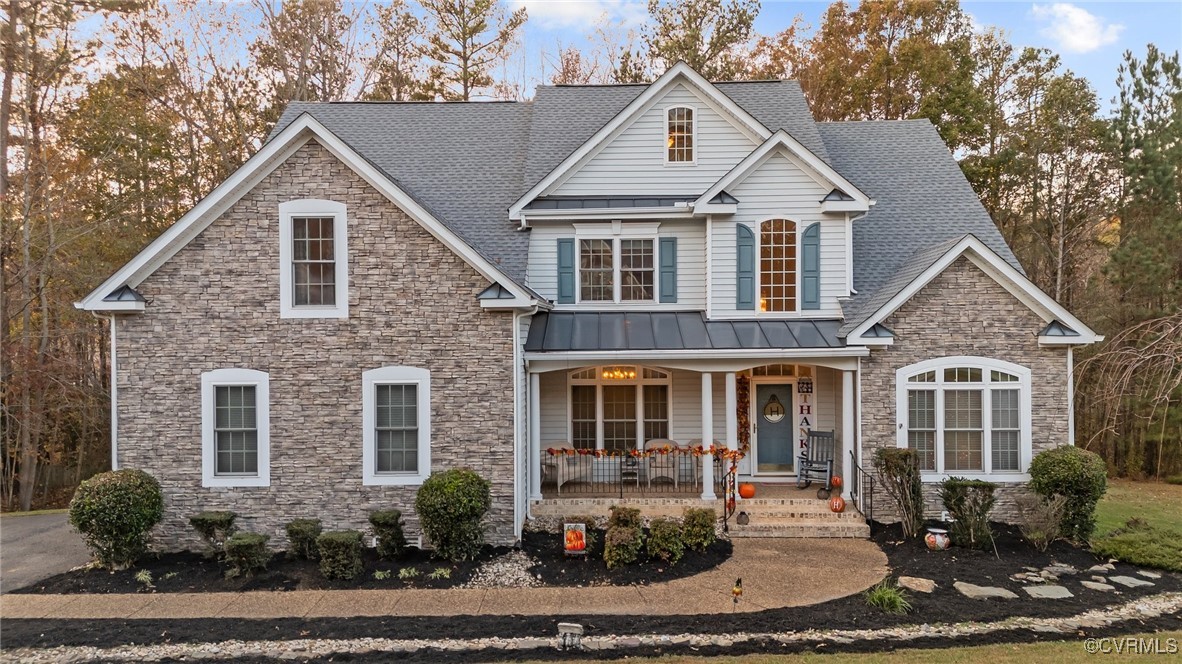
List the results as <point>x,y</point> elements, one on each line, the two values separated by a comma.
<point>685,330</point>
<point>468,162</point>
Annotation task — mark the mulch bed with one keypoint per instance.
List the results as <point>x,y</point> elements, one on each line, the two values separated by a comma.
<point>556,569</point>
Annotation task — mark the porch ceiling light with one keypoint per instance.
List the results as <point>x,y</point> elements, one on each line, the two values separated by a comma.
<point>619,373</point>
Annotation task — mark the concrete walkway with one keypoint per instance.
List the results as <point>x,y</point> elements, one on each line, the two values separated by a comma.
<point>37,546</point>
<point>776,573</point>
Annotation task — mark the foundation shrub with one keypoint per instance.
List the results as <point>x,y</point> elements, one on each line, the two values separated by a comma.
<point>246,553</point>
<point>340,554</point>
<point>214,528</point>
<point>1078,475</point>
<point>968,503</point>
<point>627,517</point>
<point>697,527</point>
<point>301,538</point>
<point>665,540</point>
<point>1041,519</point>
<point>387,526</point>
<point>899,470</point>
<point>451,506</point>
<point>115,511</point>
<point>622,545</point>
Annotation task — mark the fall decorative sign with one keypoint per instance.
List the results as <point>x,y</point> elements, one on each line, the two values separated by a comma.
<point>574,539</point>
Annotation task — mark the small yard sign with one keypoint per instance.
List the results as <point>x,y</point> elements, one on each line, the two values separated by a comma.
<point>574,538</point>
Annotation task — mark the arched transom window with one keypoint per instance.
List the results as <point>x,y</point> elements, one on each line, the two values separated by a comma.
<point>679,131</point>
<point>966,415</point>
<point>777,265</point>
<point>618,407</point>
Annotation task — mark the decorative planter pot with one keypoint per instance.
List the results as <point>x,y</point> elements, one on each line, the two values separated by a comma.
<point>937,539</point>
<point>837,504</point>
<point>746,490</point>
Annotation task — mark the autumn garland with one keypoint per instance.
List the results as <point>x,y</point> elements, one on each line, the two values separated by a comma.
<point>697,451</point>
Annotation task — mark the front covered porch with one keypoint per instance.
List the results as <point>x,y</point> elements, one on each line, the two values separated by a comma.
<point>671,424</point>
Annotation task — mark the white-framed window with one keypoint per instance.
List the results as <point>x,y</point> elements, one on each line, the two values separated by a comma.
<point>680,135</point>
<point>778,254</point>
<point>617,269</point>
<point>396,426</point>
<point>618,407</point>
<point>313,259</point>
<point>966,417</point>
<point>235,428</point>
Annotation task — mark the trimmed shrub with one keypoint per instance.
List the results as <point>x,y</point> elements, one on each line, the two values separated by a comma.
<point>246,553</point>
<point>451,507</point>
<point>115,511</point>
<point>387,526</point>
<point>622,545</point>
<point>697,527</point>
<point>665,541</point>
<point>214,528</point>
<point>968,503</point>
<point>340,554</point>
<point>1078,475</point>
<point>626,517</point>
<point>1041,519</point>
<point>301,538</point>
<point>888,597</point>
<point>899,470</point>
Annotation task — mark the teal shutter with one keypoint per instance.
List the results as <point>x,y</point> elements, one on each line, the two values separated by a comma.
<point>566,270</point>
<point>668,269</point>
<point>810,268</point>
<point>745,268</point>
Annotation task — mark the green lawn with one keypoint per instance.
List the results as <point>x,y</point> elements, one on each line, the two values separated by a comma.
<point>1010,653</point>
<point>1156,502</point>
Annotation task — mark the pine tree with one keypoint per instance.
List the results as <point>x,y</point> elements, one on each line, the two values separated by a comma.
<point>705,34</point>
<point>468,38</point>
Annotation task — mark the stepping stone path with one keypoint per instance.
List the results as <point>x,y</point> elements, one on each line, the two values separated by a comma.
<point>983,592</point>
<point>1147,574</point>
<point>1048,592</point>
<point>1096,585</point>
<point>1028,577</point>
<point>1100,569</point>
<point>1129,581</point>
<point>1059,569</point>
<point>917,584</point>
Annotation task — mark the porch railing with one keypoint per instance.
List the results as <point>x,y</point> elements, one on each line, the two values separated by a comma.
<point>862,491</point>
<point>568,471</point>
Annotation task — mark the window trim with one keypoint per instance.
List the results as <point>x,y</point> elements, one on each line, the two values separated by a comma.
<point>693,136</point>
<point>394,375</point>
<point>234,377</point>
<point>310,207</point>
<point>986,385</point>
<point>599,382</point>
<point>617,272</point>
<point>797,233</point>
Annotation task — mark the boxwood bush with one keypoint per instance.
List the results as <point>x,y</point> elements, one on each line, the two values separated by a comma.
<point>301,538</point>
<point>627,517</point>
<point>1079,476</point>
<point>246,553</point>
<point>115,511</point>
<point>697,527</point>
<point>664,540</point>
<point>451,506</point>
<point>340,554</point>
<point>622,545</point>
<point>387,526</point>
<point>214,528</point>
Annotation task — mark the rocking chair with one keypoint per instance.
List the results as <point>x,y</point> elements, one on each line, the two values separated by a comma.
<point>816,463</point>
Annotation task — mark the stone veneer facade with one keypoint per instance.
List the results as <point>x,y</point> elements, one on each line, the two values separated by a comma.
<point>963,311</point>
<point>412,302</point>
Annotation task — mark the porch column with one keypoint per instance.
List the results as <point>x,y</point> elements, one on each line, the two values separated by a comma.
<point>535,436</point>
<point>848,432</point>
<point>732,412</point>
<point>707,436</point>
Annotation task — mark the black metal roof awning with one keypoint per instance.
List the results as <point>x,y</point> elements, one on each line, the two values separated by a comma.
<point>562,331</point>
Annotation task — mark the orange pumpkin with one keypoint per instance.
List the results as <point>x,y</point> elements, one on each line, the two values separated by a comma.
<point>837,504</point>
<point>835,481</point>
<point>746,490</point>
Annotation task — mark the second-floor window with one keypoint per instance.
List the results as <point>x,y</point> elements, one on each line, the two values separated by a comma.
<point>313,270</point>
<point>617,270</point>
<point>777,265</point>
<point>679,131</point>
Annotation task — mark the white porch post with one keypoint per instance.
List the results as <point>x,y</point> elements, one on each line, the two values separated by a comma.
<point>732,412</point>
<point>708,436</point>
<point>847,431</point>
<point>535,436</point>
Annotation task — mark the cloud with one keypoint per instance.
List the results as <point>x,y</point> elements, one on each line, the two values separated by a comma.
<point>1074,29</point>
<point>559,14</point>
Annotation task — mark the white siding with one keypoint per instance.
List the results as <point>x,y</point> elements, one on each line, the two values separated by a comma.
<point>555,427</point>
<point>779,188</point>
<point>633,161</point>
<point>691,264</point>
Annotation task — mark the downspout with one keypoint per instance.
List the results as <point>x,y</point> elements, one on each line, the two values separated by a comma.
<point>1070,397</point>
<point>518,424</point>
<point>114,395</point>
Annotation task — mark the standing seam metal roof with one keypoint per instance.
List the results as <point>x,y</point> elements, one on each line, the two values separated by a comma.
<point>563,331</point>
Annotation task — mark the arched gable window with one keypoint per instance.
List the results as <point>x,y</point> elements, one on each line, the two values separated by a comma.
<point>679,132</point>
<point>777,265</point>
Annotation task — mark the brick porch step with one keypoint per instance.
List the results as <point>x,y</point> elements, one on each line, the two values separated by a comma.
<point>856,528</point>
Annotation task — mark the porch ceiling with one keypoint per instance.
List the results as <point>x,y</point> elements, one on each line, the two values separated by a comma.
<point>565,331</point>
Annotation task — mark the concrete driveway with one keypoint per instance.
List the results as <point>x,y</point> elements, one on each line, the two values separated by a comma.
<point>37,546</point>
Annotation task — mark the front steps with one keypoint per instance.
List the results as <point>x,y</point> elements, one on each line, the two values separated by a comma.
<point>769,517</point>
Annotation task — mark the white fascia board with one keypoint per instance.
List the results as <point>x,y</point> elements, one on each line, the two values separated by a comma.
<point>844,206</point>
<point>113,306</point>
<point>514,304</point>
<point>1068,341</point>
<point>600,214</point>
<point>782,139</point>
<point>657,87</point>
<point>872,342</point>
<point>273,153</point>
<point>1000,271</point>
<point>716,208</point>
<point>694,353</point>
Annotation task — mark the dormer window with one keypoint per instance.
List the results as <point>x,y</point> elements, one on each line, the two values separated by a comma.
<point>679,131</point>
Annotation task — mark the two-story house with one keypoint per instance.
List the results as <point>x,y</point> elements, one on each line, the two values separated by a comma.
<point>596,293</point>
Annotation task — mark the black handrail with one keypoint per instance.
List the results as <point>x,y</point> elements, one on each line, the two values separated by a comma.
<point>862,491</point>
<point>730,496</point>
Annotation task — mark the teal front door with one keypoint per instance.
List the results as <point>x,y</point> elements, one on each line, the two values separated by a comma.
<point>774,429</point>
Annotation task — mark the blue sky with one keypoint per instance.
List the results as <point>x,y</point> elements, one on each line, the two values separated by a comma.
<point>1090,37</point>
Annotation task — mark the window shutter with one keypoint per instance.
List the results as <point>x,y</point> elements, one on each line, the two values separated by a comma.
<point>745,266</point>
<point>668,269</point>
<point>566,270</point>
<point>810,272</point>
